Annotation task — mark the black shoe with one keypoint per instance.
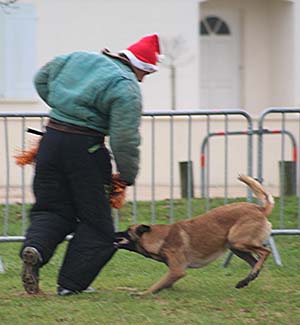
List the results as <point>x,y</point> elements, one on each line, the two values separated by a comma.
<point>30,273</point>
<point>61,291</point>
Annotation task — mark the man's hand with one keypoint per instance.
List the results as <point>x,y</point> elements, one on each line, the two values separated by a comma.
<point>117,195</point>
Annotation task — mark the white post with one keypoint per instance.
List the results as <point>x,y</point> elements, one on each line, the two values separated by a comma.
<point>1,266</point>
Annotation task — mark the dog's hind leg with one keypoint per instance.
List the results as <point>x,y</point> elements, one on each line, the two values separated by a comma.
<point>246,256</point>
<point>262,253</point>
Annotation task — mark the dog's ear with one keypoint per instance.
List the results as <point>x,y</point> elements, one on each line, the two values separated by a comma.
<point>142,229</point>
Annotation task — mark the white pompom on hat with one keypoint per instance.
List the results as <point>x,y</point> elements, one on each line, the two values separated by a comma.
<point>144,53</point>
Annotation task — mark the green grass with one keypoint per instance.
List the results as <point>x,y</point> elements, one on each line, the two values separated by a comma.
<point>205,296</point>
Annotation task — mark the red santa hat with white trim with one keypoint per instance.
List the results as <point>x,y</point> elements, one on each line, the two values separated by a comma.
<point>144,53</point>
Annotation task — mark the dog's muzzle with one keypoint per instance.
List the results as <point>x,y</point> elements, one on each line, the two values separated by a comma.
<point>120,241</point>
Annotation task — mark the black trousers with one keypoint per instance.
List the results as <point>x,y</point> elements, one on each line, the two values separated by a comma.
<point>70,185</point>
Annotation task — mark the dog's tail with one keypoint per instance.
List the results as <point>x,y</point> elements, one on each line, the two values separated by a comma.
<point>266,198</point>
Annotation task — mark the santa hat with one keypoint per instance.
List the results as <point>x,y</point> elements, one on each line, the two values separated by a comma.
<point>144,53</point>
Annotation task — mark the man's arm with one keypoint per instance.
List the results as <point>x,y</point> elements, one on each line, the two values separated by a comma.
<point>125,115</point>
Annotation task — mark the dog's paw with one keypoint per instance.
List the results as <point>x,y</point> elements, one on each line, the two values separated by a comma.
<point>242,284</point>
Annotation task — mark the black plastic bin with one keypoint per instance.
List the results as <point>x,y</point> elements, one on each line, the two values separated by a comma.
<point>186,167</point>
<point>288,177</point>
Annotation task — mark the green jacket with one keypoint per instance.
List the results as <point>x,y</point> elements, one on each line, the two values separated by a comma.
<point>100,92</point>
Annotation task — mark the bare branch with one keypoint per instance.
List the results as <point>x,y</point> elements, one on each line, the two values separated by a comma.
<point>6,5</point>
<point>174,49</point>
<point>7,2</point>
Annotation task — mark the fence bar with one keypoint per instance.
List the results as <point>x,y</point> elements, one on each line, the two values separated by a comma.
<point>226,161</point>
<point>115,218</point>
<point>7,239</point>
<point>298,175</point>
<point>23,182</point>
<point>153,216</point>
<point>134,205</point>
<point>189,169</point>
<point>1,266</point>
<point>7,188</point>
<point>274,250</point>
<point>276,232</point>
<point>207,164</point>
<point>171,217</point>
<point>282,172</point>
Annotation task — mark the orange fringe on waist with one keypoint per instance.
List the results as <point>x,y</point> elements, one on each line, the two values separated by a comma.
<point>27,156</point>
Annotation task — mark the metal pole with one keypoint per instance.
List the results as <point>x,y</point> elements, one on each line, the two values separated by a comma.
<point>116,219</point>
<point>6,213</point>
<point>282,173</point>
<point>134,205</point>
<point>153,217</point>
<point>226,162</point>
<point>298,175</point>
<point>1,266</point>
<point>171,220</point>
<point>189,169</point>
<point>23,182</point>
<point>207,166</point>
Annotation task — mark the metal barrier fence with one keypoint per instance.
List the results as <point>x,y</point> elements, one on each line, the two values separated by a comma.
<point>171,115</point>
<point>205,175</point>
<point>282,113</point>
<point>192,139</point>
<point>153,117</point>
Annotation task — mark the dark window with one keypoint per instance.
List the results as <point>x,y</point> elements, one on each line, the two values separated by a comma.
<point>203,29</point>
<point>212,22</point>
<point>223,30</point>
<point>214,25</point>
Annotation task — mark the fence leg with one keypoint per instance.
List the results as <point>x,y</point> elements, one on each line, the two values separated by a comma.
<point>227,260</point>
<point>1,266</point>
<point>275,252</point>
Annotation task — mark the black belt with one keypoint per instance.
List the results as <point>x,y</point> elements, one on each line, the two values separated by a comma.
<point>71,128</point>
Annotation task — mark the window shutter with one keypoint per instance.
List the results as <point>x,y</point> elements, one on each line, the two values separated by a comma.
<point>17,51</point>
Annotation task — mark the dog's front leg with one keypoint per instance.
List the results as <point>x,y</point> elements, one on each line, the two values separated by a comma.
<point>166,281</point>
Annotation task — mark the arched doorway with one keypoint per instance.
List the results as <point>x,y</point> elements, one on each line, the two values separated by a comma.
<point>219,33</point>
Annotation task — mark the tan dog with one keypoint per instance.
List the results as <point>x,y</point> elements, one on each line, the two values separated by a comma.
<point>193,243</point>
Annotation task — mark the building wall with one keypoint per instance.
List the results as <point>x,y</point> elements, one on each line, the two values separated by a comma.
<point>64,26</point>
<point>269,46</point>
<point>282,54</point>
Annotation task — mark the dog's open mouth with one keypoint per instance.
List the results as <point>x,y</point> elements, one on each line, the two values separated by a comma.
<point>120,242</point>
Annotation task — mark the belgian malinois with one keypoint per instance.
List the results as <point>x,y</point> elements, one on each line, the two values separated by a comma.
<point>193,243</point>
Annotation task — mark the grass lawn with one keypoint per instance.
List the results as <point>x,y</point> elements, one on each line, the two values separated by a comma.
<point>205,296</point>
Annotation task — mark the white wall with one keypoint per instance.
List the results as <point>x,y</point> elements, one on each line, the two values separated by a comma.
<point>281,53</point>
<point>65,26</point>
<point>296,51</point>
<point>267,44</point>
